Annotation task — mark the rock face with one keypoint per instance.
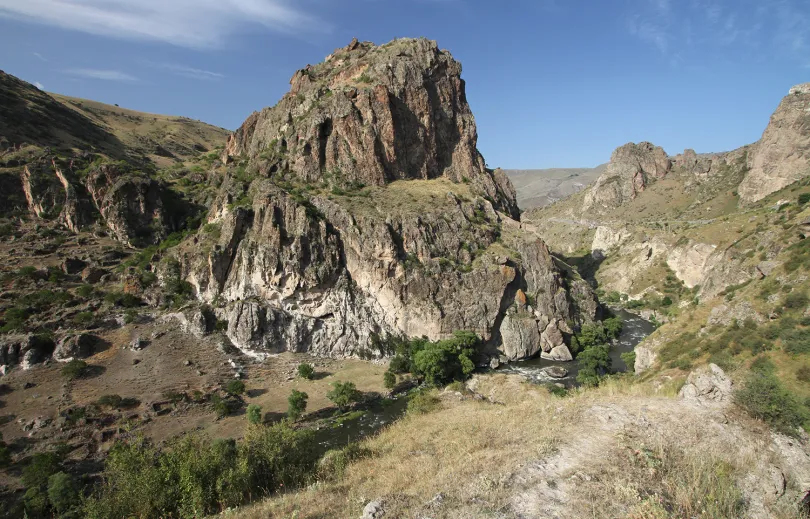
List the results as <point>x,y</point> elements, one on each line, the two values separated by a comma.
<point>707,385</point>
<point>690,262</point>
<point>79,346</point>
<point>301,257</point>
<point>131,205</point>
<point>782,156</point>
<point>632,167</point>
<point>373,115</point>
<point>606,239</point>
<point>24,350</point>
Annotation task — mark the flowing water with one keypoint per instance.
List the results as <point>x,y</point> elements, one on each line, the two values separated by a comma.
<point>635,329</point>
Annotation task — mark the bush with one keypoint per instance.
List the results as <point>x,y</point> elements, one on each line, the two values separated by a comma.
<point>389,380</point>
<point>334,463</point>
<point>306,371</point>
<point>629,358</point>
<point>442,362</point>
<point>343,394</point>
<point>83,318</point>
<point>194,477</point>
<point>556,390</point>
<point>594,363</point>
<point>764,398</point>
<point>296,404</point>
<point>423,402</point>
<point>130,316</point>
<point>235,387</point>
<point>75,369</point>
<point>222,406</point>
<point>254,414</point>
<point>63,492</point>
<point>804,198</point>
<point>796,300</point>
<point>84,291</point>
<point>803,374</point>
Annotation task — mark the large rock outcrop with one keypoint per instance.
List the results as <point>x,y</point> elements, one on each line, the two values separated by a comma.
<point>371,115</point>
<point>632,167</point>
<point>297,255</point>
<point>782,156</point>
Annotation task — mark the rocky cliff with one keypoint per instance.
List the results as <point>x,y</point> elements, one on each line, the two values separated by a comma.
<point>360,207</point>
<point>782,155</point>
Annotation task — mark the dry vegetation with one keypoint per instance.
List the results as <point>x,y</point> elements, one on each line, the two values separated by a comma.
<point>615,451</point>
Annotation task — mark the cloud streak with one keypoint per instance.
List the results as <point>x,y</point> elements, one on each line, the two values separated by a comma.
<point>186,23</point>
<point>102,75</point>
<point>187,72</point>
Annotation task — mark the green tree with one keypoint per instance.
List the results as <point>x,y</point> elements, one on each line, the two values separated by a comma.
<point>389,379</point>
<point>594,362</point>
<point>343,394</point>
<point>63,492</point>
<point>296,404</point>
<point>306,371</point>
<point>235,387</point>
<point>254,414</point>
<point>75,369</point>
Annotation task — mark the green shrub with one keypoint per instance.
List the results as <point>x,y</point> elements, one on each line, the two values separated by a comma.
<point>334,463</point>
<point>254,414</point>
<point>794,340</point>
<point>594,363</point>
<point>5,453</point>
<point>796,300</point>
<point>556,390</point>
<point>423,402</point>
<point>306,371</point>
<point>629,358</point>
<point>130,316</point>
<point>75,369</point>
<point>113,401</point>
<point>296,404</point>
<point>85,291</point>
<point>803,198</point>
<point>343,394</point>
<point>613,327</point>
<point>63,492</point>
<point>447,360</point>
<point>235,387</point>
<point>222,407</point>
<point>83,318</point>
<point>764,398</point>
<point>389,380</point>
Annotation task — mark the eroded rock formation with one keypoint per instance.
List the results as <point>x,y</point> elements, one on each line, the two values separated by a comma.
<point>359,207</point>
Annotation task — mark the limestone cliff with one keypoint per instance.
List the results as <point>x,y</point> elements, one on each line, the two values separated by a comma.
<point>359,207</point>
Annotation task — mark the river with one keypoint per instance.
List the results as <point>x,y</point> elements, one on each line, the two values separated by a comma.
<point>634,330</point>
<point>355,426</point>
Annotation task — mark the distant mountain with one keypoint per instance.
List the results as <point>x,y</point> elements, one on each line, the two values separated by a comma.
<point>540,187</point>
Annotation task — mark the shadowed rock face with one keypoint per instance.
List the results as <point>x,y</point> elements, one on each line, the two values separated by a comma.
<point>372,115</point>
<point>782,156</point>
<point>428,248</point>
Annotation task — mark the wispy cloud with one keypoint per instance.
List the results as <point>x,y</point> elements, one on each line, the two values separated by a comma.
<point>765,27</point>
<point>188,23</point>
<point>39,56</point>
<point>187,72</point>
<point>103,75</point>
<point>39,85</point>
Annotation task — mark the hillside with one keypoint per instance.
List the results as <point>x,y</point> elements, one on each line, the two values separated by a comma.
<point>335,311</point>
<point>541,187</point>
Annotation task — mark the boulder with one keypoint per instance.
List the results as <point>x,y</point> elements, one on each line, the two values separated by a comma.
<point>92,275</point>
<point>373,510</point>
<point>521,339</point>
<point>78,346</point>
<point>556,372</point>
<point>24,350</point>
<point>558,354</point>
<point>707,385</point>
<point>552,337</point>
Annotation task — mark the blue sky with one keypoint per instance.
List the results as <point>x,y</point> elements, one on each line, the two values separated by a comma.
<point>552,83</point>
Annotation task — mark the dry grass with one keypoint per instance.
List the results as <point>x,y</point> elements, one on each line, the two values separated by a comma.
<point>616,451</point>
